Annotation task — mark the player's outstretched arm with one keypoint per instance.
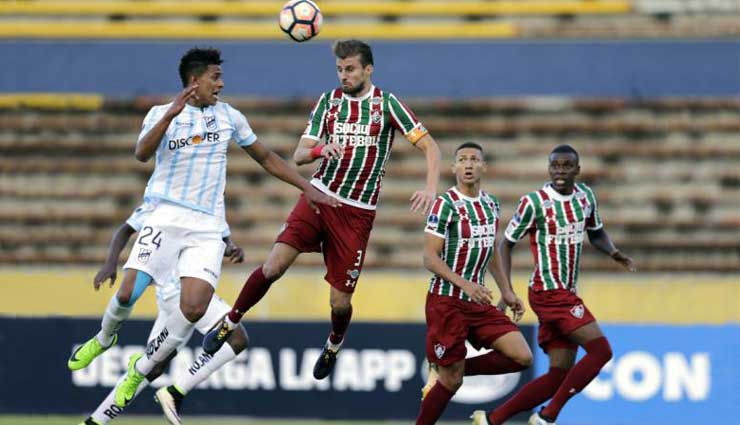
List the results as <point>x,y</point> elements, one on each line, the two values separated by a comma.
<point>601,241</point>
<point>148,143</point>
<point>422,200</point>
<point>433,246</point>
<point>273,164</point>
<point>503,281</point>
<point>309,150</point>
<point>108,271</point>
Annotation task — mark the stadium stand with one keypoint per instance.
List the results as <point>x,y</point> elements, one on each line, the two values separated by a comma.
<point>416,19</point>
<point>666,171</point>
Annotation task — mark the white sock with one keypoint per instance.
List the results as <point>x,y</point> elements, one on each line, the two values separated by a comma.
<point>231,325</point>
<point>115,315</point>
<point>203,366</point>
<point>332,346</point>
<point>175,331</point>
<point>108,410</point>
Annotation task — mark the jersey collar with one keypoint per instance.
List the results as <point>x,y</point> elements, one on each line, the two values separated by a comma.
<point>463,196</point>
<point>554,194</point>
<point>363,97</point>
<point>191,108</point>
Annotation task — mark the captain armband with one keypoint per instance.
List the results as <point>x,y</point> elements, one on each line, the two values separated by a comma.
<point>416,133</point>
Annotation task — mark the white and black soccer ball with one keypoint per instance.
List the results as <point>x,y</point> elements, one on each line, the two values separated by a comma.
<point>301,19</point>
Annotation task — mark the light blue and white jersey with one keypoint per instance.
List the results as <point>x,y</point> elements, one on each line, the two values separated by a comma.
<point>190,168</point>
<point>171,286</point>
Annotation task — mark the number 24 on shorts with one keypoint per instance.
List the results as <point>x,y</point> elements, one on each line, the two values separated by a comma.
<point>146,233</point>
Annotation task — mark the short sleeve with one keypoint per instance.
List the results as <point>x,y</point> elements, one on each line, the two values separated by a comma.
<point>227,232</point>
<point>593,221</point>
<point>315,127</point>
<point>522,221</point>
<point>243,134</point>
<point>439,218</point>
<point>151,119</point>
<point>405,121</point>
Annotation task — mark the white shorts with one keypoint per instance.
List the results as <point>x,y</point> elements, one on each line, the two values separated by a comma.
<point>216,310</point>
<point>178,238</point>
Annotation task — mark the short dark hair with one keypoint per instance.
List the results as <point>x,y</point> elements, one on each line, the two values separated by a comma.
<point>565,149</point>
<point>346,48</point>
<point>196,61</point>
<point>467,145</point>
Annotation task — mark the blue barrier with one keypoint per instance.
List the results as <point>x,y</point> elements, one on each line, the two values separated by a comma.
<point>378,376</point>
<point>460,69</point>
<point>679,375</point>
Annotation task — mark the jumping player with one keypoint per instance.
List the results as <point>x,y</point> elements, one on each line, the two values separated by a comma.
<point>556,218</point>
<point>189,137</point>
<point>351,130</point>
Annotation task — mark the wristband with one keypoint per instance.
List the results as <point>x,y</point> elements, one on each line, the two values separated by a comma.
<point>316,151</point>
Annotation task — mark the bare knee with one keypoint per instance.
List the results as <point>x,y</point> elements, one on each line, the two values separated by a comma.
<point>238,340</point>
<point>123,297</point>
<point>193,312</point>
<point>341,306</point>
<point>452,379</point>
<point>523,357</point>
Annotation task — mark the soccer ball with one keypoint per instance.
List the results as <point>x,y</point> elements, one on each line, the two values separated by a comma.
<point>300,19</point>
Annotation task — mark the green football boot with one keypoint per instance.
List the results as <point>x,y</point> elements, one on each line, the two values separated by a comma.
<point>86,353</point>
<point>126,390</point>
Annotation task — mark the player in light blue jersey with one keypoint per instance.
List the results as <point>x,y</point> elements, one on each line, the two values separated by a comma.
<point>189,138</point>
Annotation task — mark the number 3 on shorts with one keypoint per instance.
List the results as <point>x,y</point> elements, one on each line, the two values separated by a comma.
<point>146,233</point>
<point>359,258</point>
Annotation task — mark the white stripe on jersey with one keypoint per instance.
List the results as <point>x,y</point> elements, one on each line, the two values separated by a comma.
<point>190,167</point>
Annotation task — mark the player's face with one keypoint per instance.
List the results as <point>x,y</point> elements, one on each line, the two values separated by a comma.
<point>210,85</point>
<point>353,77</point>
<point>563,170</point>
<point>469,166</point>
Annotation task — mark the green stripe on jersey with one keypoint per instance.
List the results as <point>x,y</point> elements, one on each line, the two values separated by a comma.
<point>361,176</point>
<point>466,253</point>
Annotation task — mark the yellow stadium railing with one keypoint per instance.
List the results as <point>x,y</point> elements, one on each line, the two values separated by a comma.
<point>254,30</point>
<point>329,8</point>
<point>52,101</point>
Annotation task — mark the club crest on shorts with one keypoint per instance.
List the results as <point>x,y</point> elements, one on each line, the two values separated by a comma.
<point>439,350</point>
<point>577,311</point>
<point>353,274</point>
<point>144,255</point>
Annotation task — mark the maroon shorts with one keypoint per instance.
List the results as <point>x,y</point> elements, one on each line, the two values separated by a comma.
<point>560,312</point>
<point>341,234</point>
<point>450,321</point>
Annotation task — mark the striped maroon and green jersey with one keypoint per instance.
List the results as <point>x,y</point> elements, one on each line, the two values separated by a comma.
<point>364,127</point>
<point>556,225</point>
<point>468,226</point>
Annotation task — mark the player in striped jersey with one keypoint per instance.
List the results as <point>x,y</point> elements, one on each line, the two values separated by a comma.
<point>556,218</point>
<point>350,130</point>
<point>458,248</point>
<point>189,138</point>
